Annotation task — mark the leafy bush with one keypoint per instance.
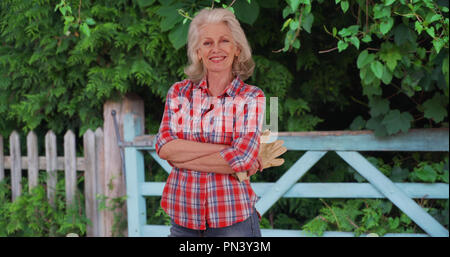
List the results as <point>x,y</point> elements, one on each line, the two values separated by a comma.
<point>31,214</point>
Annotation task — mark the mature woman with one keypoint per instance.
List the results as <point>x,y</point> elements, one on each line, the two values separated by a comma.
<point>207,137</point>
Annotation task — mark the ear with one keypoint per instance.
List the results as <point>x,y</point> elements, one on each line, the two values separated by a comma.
<point>238,51</point>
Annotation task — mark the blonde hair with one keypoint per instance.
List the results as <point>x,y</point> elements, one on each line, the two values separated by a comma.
<point>242,66</point>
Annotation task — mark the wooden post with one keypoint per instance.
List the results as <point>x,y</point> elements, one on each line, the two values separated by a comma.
<point>16,165</point>
<point>52,165</point>
<point>113,178</point>
<point>100,167</point>
<point>90,183</point>
<point>33,160</point>
<point>70,167</point>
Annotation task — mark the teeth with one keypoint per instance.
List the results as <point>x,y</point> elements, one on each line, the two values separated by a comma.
<point>217,58</point>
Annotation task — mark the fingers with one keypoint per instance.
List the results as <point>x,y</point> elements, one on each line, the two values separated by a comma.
<point>241,176</point>
<point>279,151</point>
<point>276,144</point>
<point>260,163</point>
<point>273,163</point>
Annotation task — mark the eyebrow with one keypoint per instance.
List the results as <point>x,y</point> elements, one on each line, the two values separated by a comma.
<point>219,37</point>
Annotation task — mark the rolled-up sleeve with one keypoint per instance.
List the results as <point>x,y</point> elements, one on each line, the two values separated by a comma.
<point>244,148</point>
<point>166,131</point>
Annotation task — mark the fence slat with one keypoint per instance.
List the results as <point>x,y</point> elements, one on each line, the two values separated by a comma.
<point>2,162</point>
<point>90,182</point>
<point>33,160</point>
<point>16,165</point>
<point>70,167</point>
<point>100,154</point>
<point>51,159</point>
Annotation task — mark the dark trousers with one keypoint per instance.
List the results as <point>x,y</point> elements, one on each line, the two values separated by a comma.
<point>246,228</point>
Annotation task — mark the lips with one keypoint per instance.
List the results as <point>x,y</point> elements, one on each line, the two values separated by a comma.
<point>217,59</point>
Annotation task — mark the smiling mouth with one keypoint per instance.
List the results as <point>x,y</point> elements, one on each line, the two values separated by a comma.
<point>217,59</point>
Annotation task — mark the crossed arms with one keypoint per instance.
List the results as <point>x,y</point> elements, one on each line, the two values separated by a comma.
<point>199,156</point>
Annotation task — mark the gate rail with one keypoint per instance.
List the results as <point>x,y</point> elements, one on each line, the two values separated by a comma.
<point>316,144</point>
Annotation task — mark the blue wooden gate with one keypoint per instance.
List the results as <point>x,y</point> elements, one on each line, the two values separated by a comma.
<point>346,144</point>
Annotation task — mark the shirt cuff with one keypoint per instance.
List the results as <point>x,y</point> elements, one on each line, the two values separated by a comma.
<point>162,139</point>
<point>235,159</point>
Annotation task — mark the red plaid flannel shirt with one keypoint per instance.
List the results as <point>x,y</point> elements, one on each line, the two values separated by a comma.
<point>192,198</point>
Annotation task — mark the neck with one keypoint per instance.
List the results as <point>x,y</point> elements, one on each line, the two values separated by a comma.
<point>217,82</point>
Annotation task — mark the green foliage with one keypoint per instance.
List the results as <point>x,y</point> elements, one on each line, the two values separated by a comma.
<point>379,215</point>
<point>384,67</point>
<point>401,54</point>
<point>32,215</point>
<point>57,72</point>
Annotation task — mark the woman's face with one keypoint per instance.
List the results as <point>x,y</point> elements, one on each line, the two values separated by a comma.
<point>217,47</point>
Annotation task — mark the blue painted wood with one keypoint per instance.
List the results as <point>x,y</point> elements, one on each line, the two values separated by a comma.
<point>163,231</point>
<point>134,166</point>
<point>164,164</point>
<point>288,179</point>
<point>332,190</point>
<point>415,140</point>
<point>420,140</point>
<point>393,193</point>
<point>320,142</point>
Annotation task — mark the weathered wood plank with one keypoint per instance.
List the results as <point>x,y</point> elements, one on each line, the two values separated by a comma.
<point>100,166</point>
<point>289,178</point>
<point>16,167</point>
<point>90,183</point>
<point>43,163</point>
<point>331,190</point>
<point>70,169</point>
<point>428,140</point>
<point>393,193</point>
<point>51,161</point>
<point>32,160</point>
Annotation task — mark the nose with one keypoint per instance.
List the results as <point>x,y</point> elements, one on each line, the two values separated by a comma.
<point>215,48</point>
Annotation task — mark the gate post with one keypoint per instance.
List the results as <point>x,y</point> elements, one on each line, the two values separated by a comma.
<point>113,178</point>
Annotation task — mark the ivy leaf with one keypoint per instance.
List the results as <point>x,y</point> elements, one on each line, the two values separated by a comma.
<point>390,54</point>
<point>145,3</point>
<point>344,6</point>
<point>378,106</point>
<point>375,124</point>
<point>178,36</point>
<point>85,29</point>
<point>293,3</point>
<point>396,121</point>
<point>342,46</point>
<point>398,174</point>
<point>247,12</point>
<point>355,41</point>
<point>364,58</point>
<point>377,69</point>
<point>402,35</point>
<point>386,25</point>
<point>434,108</point>
<point>426,173</point>
<point>307,21</point>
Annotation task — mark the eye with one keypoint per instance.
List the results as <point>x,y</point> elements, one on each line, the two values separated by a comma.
<point>225,40</point>
<point>206,43</point>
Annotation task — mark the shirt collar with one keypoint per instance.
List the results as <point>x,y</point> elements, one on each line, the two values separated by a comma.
<point>231,90</point>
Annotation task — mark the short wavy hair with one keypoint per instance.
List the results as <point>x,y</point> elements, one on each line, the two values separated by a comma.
<point>243,66</point>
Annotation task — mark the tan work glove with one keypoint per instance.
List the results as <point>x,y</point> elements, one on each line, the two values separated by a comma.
<point>268,153</point>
